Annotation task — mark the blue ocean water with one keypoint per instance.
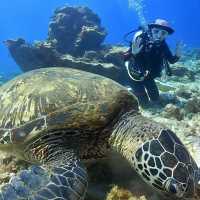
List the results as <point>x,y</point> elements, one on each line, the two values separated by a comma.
<point>29,19</point>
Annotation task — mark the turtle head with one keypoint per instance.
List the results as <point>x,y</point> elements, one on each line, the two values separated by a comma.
<point>165,164</point>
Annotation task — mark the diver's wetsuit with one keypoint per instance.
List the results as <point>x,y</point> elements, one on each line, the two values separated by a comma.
<point>152,57</point>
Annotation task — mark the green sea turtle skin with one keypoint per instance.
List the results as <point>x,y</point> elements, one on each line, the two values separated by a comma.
<point>60,118</point>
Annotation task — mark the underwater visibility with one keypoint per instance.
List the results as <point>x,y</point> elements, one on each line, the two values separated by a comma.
<point>100,100</point>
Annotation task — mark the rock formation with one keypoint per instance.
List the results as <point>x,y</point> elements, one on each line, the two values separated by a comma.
<point>75,39</point>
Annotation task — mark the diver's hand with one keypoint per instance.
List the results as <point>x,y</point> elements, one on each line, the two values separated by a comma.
<point>136,47</point>
<point>179,47</point>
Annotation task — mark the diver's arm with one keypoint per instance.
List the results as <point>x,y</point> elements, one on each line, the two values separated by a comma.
<point>169,56</point>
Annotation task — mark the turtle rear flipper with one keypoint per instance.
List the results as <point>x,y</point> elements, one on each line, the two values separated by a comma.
<point>66,178</point>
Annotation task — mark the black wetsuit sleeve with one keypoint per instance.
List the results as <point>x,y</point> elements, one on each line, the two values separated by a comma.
<point>168,54</point>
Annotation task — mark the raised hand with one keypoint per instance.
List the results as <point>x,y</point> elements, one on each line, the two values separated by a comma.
<point>179,47</point>
<point>136,46</point>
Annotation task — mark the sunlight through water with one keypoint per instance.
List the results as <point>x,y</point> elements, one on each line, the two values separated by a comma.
<point>138,6</point>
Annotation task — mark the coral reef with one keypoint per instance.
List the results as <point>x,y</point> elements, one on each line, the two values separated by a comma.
<point>118,193</point>
<point>173,111</point>
<point>75,39</point>
<point>193,105</point>
<point>9,166</point>
<point>76,30</point>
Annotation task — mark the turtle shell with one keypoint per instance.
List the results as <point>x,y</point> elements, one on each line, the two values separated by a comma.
<point>59,99</point>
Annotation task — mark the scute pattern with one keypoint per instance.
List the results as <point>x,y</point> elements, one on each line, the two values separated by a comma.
<point>166,141</point>
<point>23,99</point>
<point>167,158</point>
<point>182,154</point>
<point>155,148</point>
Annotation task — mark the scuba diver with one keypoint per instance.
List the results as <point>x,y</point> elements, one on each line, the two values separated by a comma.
<point>147,56</point>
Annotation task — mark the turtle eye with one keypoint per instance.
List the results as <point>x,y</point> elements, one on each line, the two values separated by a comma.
<point>173,188</point>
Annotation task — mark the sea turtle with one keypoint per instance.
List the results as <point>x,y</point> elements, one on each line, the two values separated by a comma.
<point>59,118</point>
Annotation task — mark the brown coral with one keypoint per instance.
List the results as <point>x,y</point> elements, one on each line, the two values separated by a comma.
<point>118,193</point>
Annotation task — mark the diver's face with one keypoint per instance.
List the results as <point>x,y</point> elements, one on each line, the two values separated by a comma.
<point>158,34</point>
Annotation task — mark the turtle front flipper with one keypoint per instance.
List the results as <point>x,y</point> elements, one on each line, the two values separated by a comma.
<point>61,179</point>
